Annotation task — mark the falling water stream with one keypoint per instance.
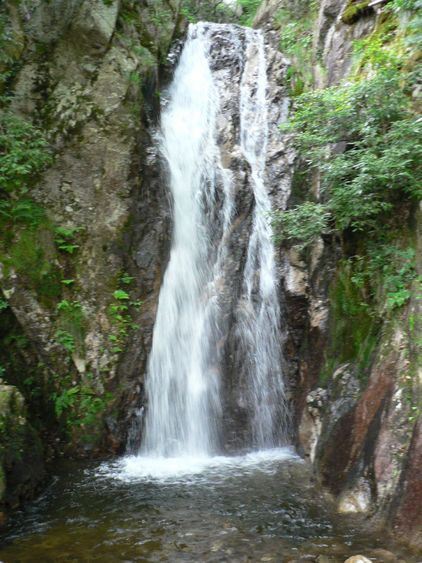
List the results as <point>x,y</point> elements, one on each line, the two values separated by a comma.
<point>183,394</point>
<point>183,380</point>
<point>181,497</point>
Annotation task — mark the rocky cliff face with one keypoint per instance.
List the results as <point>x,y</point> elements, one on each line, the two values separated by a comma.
<point>88,73</point>
<point>358,421</point>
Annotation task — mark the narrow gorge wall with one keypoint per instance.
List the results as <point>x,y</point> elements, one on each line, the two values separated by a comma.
<point>358,381</point>
<point>79,283</point>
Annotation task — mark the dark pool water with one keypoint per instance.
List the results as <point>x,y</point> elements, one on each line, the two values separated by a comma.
<point>260,507</point>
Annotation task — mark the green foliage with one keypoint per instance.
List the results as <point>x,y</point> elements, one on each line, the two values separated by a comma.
<point>364,137</point>
<point>147,58</point>
<point>29,257</point>
<point>354,326</point>
<point>128,14</point>
<point>120,294</point>
<point>125,278</point>
<point>76,404</point>
<point>3,304</point>
<point>296,33</point>
<point>65,400</point>
<point>302,225</point>
<point>159,13</point>
<point>24,211</point>
<point>354,10</point>
<point>71,322</point>
<point>413,22</point>
<point>32,389</point>
<point>24,154</point>
<point>120,315</point>
<point>384,274</point>
<point>70,308</point>
<point>209,10</point>
<point>381,49</point>
<point>66,339</point>
<point>250,8</point>
<point>64,238</point>
<point>295,37</point>
<point>415,413</point>
<point>10,47</point>
<point>136,304</point>
<point>367,286</point>
<point>134,78</point>
<point>411,6</point>
<point>23,151</point>
<point>91,405</point>
<point>367,142</point>
<point>295,81</point>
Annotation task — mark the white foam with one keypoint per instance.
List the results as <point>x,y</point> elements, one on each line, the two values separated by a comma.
<point>194,468</point>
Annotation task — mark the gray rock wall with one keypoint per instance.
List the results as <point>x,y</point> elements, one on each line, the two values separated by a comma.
<point>89,74</point>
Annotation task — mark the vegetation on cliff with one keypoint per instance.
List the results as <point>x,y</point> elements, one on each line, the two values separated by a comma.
<point>354,220</point>
<point>238,11</point>
<point>78,82</point>
<point>364,136</point>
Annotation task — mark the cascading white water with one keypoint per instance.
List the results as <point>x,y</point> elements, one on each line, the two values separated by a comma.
<point>183,379</point>
<point>259,326</point>
<point>185,364</point>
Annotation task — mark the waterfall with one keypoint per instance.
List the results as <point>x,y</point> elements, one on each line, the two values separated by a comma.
<point>199,304</point>
<point>260,330</point>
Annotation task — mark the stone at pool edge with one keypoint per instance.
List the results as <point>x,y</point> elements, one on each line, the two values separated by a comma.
<point>385,556</point>
<point>21,455</point>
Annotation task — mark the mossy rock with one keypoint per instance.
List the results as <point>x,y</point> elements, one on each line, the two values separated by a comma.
<point>354,11</point>
<point>21,455</point>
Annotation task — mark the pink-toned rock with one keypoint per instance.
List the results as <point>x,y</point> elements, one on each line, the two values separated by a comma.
<point>408,518</point>
<point>345,442</point>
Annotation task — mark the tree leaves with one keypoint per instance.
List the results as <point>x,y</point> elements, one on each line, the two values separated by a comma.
<point>367,143</point>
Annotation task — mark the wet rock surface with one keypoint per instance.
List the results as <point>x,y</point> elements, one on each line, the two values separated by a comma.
<point>21,455</point>
<point>358,426</point>
<point>408,519</point>
<point>78,76</point>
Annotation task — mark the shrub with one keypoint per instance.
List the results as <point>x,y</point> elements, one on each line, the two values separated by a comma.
<point>303,224</point>
<point>365,139</point>
<point>23,151</point>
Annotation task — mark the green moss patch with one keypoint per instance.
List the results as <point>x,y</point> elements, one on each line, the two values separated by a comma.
<point>354,11</point>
